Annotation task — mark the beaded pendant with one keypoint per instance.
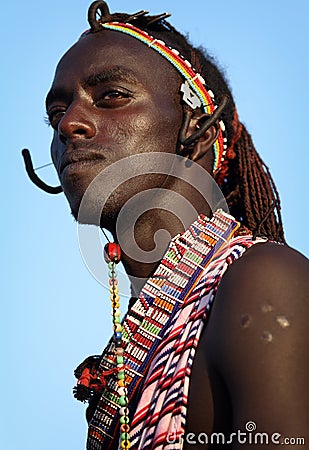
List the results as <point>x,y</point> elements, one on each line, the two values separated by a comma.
<point>112,255</point>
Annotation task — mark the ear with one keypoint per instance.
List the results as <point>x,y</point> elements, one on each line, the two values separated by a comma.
<point>206,141</point>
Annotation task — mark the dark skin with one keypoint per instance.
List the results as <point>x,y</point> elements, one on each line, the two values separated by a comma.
<point>104,113</point>
<point>251,362</point>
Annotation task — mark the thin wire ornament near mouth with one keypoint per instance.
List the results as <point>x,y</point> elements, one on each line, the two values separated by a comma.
<point>76,156</point>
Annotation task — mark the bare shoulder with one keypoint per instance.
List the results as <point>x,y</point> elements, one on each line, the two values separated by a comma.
<point>257,337</point>
<point>267,278</point>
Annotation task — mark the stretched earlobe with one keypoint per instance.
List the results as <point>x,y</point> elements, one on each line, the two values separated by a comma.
<point>196,149</point>
<point>205,142</point>
<point>211,120</point>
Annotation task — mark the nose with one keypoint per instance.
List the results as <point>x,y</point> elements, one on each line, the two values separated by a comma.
<point>76,124</point>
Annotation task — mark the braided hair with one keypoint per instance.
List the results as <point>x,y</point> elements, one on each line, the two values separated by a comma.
<point>245,180</point>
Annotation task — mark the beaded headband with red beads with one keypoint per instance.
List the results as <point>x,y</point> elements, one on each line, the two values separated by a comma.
<point>194,91</point>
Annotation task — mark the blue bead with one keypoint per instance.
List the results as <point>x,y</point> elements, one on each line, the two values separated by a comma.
<point>112,273</point>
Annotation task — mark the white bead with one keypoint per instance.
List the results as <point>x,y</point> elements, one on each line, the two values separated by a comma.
<point>201,78</point>
<point>175,51</point>
<point>222,125</point>
<point>188,64</point>
<point>211,93</point>
<point>122,391</point>
<point>124,411</point>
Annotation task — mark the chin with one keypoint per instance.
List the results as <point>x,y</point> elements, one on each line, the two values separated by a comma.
<point>91,211</point>
<point>82,206</point>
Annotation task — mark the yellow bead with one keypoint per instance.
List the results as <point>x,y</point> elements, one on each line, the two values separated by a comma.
<point>114,289</point>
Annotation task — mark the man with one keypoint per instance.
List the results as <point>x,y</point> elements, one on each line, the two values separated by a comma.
<point>248,361</point>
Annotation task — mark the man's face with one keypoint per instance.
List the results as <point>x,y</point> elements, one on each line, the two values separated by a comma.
<point>111,97</point>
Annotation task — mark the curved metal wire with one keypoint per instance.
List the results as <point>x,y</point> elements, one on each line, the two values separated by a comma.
<point>185,141</point>
<point>141,13</point>
<point>33,176</point>
<point>158,18</point>
<point>102,8</point>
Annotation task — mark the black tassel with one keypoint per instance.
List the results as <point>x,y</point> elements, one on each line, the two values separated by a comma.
<point>87,383</point>
<point>82,393</point>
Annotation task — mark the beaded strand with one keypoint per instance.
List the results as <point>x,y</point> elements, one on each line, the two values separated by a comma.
<point>159,304</point>
<point>112,254</point>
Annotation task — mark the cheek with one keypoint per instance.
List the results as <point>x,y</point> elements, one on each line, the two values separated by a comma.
<point>166,124</point>
<point>150,130</point>
<point>160,126</point>
<point>124,129</point>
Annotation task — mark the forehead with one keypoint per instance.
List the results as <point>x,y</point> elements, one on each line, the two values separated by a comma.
<point>106,49</point>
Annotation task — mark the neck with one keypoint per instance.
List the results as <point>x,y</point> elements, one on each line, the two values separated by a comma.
<point>143,249</point>
<point>146,228</point>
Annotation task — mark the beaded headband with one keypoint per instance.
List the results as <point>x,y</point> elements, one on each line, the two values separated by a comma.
<point>194,91</point>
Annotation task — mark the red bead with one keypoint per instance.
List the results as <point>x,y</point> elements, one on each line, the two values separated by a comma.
<point>112,253</point>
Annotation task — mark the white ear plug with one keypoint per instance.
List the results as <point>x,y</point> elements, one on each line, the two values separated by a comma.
<point>189,96</point>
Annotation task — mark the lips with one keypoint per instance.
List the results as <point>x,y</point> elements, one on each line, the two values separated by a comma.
<point>78,156</point>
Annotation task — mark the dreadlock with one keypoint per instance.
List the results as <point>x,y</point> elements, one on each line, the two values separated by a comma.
<point>245,180</point>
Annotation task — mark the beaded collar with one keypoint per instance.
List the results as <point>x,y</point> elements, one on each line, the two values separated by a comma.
<point>161,299</point>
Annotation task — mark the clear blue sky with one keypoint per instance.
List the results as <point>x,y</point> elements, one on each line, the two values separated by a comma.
<point>53,312</point>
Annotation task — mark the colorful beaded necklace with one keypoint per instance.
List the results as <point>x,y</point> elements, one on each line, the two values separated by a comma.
<point>194,90</point>
<point>130,351</point>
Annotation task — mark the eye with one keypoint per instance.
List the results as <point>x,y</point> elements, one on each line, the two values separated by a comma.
<point>113,98</point>
<point>53,116</point>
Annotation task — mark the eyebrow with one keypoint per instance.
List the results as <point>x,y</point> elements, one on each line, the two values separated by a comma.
<point>116,73</point>
<point>113,74</point>
<point>53,94</point>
